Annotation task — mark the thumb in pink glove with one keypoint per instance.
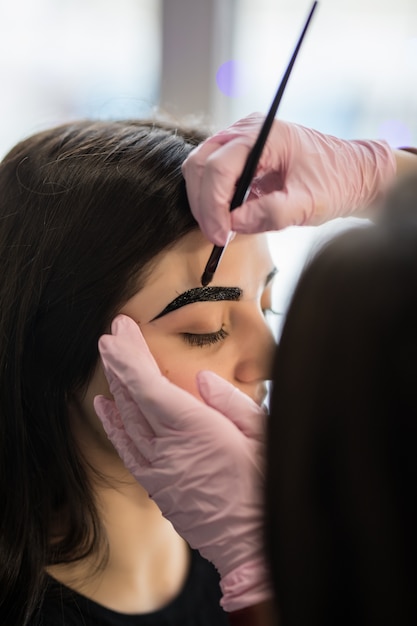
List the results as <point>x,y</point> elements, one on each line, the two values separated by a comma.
<point>303,177</point>
<point>201,464</point>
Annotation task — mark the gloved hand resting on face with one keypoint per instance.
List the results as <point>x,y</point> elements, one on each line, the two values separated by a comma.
<point>201,463</point>
<point>303,177</point>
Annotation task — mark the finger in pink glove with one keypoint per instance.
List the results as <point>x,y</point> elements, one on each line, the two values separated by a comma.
<point>201,464</point>
<point>303,177</point>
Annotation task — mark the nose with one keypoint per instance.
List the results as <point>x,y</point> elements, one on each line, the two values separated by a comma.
<point>256,352</point>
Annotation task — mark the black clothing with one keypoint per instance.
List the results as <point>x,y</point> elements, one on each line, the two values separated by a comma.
<point>196,605</point>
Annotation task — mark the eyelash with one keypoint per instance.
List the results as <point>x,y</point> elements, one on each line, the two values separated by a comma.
<point>205,339</point>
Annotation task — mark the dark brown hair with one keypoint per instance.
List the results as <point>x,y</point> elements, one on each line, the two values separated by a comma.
<point>84,209</point>
<point>342,464</point>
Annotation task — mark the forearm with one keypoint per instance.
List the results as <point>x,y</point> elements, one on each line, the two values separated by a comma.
<point>406,161</point>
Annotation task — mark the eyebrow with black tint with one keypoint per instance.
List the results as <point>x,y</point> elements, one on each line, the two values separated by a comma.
<point>201,294</point>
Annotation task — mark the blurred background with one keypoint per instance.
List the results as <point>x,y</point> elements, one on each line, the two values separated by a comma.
<point>214,61</point>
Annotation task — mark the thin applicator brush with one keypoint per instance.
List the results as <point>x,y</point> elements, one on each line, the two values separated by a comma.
<point>243,184</point>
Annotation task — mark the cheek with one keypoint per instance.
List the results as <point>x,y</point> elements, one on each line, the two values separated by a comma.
<point>180,374</point>
<point>175,364</point>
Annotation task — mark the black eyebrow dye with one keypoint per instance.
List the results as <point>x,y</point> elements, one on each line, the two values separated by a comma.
<point>201,294</point>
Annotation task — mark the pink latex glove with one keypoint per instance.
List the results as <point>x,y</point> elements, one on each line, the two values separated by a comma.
<point>202,465</point>
<point>303,177</point>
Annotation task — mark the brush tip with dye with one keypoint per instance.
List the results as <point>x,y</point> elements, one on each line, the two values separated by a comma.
<point>206,278</point>
<point>214,260</point>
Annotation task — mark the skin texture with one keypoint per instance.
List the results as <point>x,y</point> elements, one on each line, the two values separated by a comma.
<point>242,356</point>
<point>148,561</point>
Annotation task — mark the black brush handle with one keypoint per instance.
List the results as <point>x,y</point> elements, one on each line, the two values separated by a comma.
<point>245,179</point>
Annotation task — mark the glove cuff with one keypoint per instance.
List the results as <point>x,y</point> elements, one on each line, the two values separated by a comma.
<point>245,586</point>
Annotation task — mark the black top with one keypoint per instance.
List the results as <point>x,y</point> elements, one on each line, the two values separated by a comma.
<point>196,605</point>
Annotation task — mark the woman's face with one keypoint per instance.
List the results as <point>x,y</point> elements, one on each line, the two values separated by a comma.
<point>222,327</point>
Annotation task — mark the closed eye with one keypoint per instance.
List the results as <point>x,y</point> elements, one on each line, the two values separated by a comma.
<point>205,339</point>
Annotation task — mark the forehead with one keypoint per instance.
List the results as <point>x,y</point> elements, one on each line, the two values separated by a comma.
<point>246,263</point>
